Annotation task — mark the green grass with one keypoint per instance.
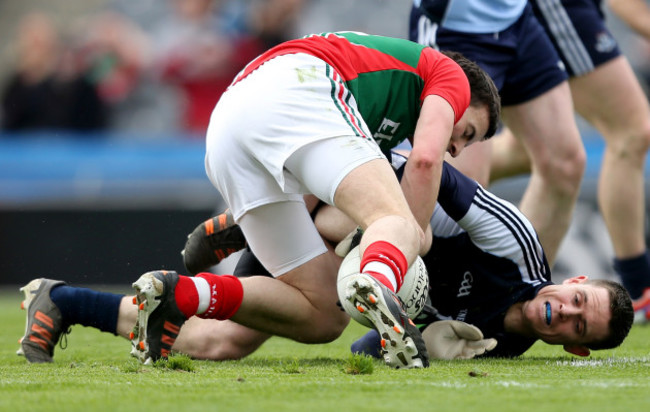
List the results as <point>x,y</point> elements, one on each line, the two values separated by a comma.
<point>95,373</point>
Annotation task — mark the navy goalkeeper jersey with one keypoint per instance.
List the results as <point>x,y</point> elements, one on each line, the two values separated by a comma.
<point>485,257</point>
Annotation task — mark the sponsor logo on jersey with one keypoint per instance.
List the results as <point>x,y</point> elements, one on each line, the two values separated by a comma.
<point>466,285</point>
<point>386,130</point>
<point>462,315</point>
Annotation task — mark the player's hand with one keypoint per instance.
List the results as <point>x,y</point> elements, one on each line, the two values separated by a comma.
<point>453,339</point>
<point>348,243</point>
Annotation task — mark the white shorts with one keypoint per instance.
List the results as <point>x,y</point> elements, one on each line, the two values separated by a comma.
<point>291,127</point>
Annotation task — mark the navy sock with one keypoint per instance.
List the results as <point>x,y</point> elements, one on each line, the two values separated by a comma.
<point>369,344</point>
<point>87,307</point>
<point>634,273</point>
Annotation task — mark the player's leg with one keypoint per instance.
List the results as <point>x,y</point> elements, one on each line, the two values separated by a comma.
<point>386,219</point>
<point>538,109</point>
<point>370,194</point>
<point>300,304</point>
<point>199,338</point>
<point>52,308</point>
<point>508,158</point>
<point>548,131</point>
<point>288,311</point>
<point>608,95</point>
<point>611,99</point>
<point>217,340</point>
<point>305,295</point>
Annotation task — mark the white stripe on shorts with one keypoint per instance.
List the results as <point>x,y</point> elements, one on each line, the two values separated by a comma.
<point>573,51</point>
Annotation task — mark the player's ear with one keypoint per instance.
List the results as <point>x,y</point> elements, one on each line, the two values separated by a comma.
<point>575,279</point>
<point>577,350</point>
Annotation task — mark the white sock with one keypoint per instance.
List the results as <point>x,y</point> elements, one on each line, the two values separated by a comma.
<point>382,268</point>
<point>203,289</point>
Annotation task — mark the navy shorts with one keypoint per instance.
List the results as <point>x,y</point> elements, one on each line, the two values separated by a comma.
<point>577,28</point>
<point>521,60</point>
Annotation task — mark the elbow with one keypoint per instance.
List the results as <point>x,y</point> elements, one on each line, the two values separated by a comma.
<point>425,163</point>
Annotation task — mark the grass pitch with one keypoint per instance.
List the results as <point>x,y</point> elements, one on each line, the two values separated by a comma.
<point>96,373</point>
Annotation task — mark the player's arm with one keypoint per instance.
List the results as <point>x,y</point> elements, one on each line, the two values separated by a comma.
<point>421,180</point>
<point>635,13</point>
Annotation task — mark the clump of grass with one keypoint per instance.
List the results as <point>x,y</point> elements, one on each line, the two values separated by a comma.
<point>359,365</point>
<point>293,366</point>
<point>132,366</point>
<point>176,361</point>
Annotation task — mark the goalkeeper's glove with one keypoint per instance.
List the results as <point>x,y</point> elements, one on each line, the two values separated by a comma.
<point>453,339</point>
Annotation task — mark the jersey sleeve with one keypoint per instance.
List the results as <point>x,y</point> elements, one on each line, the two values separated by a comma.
<point>456,192</point>
<point>494,224</point>
<point>499,228</point>
<point>444,77</point>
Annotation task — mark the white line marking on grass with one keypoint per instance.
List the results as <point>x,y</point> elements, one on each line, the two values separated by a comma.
<point>509,384</point>
<point>610,384</point>
<point>603,362</point>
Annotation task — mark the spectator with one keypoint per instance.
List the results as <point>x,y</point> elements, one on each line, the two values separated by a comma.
<point>200,51</point>
<point>273,21</point>
<point>192,53</point>
<point>116,53</point>
<point>46,89</point>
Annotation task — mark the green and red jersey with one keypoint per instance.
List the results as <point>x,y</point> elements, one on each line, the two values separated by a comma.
<point>388,77</point>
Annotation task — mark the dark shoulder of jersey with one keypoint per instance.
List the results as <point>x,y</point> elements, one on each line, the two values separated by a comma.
<point>456,192</point>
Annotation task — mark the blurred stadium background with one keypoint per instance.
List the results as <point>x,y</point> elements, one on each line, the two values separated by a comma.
<point>102,199</point>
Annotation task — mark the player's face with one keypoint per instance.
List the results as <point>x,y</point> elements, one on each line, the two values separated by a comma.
<point>471,128</point>
<point>574,313</point>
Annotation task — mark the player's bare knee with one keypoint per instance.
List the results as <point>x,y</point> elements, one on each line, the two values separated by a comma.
<point>330,328</point>
<point>564,173</point>
<point>226,351</point>
<point>335,330</point>
<point>629,145</point>
<point>212,344</point>
<point>640,140</point>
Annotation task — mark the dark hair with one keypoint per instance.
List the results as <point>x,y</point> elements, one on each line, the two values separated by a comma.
<point>484,92</point>
<point>620,305</point>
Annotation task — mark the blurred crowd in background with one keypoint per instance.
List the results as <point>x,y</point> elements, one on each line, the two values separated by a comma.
<point>162,65</point>
<point>151,65</point>
<point>128,67</point>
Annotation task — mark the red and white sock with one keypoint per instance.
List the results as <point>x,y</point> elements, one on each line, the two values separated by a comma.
<point>209,296</point>
<point>386,263</point>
